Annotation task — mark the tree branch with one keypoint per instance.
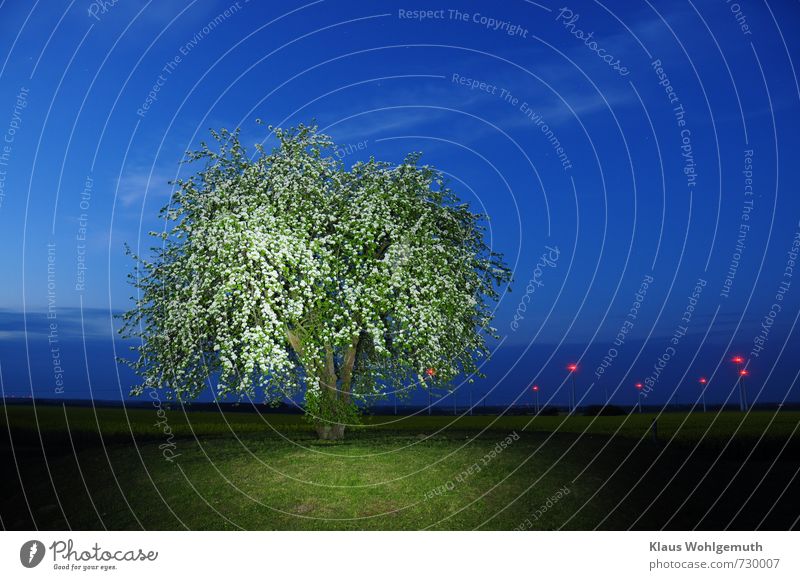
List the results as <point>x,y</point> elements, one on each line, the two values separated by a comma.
<point>295,341</point>
<point>330,367</point>
<point>347,366</point>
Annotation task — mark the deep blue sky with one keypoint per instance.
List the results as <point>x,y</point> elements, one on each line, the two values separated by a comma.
<point>625,201</point>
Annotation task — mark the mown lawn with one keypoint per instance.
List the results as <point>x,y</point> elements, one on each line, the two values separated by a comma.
<point>205,470</point>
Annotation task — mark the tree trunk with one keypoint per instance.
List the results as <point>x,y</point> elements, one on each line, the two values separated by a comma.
<point>333,396</point>
<point>330,431</point>
<point>330,428</point>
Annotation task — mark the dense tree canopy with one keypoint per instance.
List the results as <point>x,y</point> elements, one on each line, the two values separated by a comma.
<point>287,273</point>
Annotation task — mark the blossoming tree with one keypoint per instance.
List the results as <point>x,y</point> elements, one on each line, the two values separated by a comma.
<point>288,274</point>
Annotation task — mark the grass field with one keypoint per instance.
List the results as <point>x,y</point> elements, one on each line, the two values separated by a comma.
<point>206,470</point>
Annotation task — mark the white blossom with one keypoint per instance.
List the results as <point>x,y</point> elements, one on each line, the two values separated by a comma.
<point>273,267</point>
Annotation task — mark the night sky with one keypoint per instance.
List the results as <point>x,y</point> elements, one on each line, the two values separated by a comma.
<point>637,163</point>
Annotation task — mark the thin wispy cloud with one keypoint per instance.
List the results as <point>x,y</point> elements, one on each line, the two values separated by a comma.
<point>138,185</point>
<point>71,323</point>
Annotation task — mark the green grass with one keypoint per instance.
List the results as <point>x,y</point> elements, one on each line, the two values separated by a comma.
<point>366,483</point>
<point>242,470</point>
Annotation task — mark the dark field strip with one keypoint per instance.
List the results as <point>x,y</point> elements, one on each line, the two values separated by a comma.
<point>112,422</point>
